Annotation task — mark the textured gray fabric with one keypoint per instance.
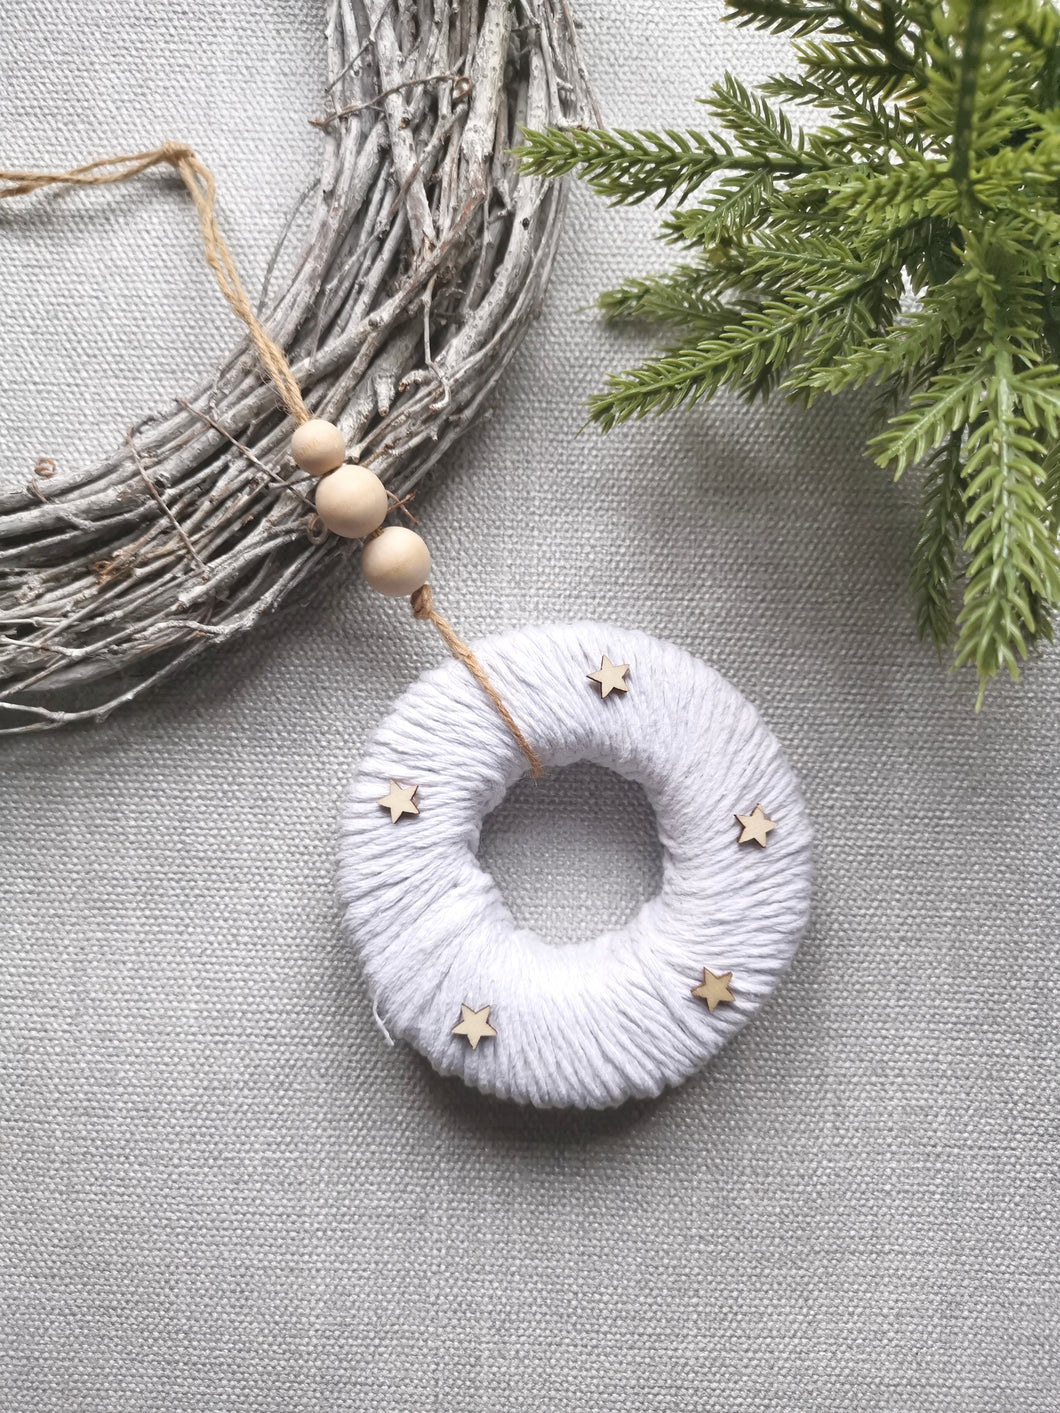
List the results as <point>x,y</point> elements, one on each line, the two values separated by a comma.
<point>220,1191</point>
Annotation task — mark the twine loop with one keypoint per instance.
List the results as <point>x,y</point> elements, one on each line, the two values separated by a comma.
<point>108,171</point>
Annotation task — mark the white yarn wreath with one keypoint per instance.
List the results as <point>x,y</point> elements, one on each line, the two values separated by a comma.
<point>585,1024</point>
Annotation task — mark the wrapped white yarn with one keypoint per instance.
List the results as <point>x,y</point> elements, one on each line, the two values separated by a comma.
<point>586,1024</point>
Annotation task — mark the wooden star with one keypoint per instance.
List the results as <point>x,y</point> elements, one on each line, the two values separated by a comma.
<point>399,800</point>
<point>474,1025</point>
<point>756,826</point>
<point>714,990</point>
<point>611,677</point>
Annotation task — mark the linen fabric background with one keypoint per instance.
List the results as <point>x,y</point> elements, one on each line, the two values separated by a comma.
<point>221,1191</point>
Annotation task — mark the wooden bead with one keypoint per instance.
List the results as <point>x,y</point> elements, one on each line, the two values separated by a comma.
<point>317,446</point>
<point>352,502</point>
<point>396,562</point>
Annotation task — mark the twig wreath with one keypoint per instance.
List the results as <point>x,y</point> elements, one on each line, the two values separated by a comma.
<point>426,259</point>
<point>586,1025</point>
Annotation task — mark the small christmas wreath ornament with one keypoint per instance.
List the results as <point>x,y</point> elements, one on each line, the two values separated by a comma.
<point>640,1007</point>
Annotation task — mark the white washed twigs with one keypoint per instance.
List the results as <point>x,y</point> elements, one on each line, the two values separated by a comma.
<point>427,258</point>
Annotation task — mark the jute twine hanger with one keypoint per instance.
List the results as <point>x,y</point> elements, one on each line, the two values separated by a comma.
<point>108,171</point>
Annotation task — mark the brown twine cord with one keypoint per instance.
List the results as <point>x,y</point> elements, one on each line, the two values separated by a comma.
<point>423,608</point>
<point>200,183</point>
<point>108,171</point>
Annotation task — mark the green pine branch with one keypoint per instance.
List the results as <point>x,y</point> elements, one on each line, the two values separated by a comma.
<point>739,202</point>
<point>628,167</point>
<point>907,240</point>
<point>938,545</point>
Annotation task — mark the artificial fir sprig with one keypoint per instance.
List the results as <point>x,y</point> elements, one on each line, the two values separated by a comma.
<point>909,240</point>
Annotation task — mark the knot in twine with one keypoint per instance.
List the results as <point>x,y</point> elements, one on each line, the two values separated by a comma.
<point>108,171</point>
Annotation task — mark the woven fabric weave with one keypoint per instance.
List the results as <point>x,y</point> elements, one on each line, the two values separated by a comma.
<point>218,1191</point>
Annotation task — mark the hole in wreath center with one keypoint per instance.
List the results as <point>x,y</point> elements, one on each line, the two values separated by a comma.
<point>573,854</point>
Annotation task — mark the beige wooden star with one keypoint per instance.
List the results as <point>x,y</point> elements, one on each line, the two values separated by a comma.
<point>474,1025</point>
<point>399,800</point>
<point>756,826</point>
<point>611,677</point>
<point>714,990</point>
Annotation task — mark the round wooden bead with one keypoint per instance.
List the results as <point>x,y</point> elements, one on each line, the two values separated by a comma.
<point>317,446</point>
<point>352,502</point>
<point>396,562</point>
